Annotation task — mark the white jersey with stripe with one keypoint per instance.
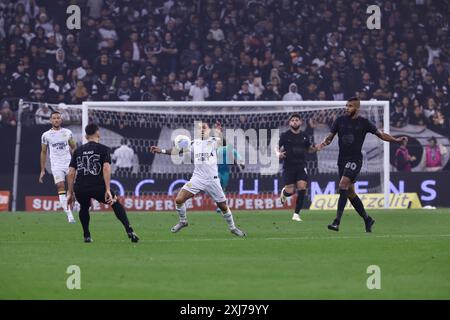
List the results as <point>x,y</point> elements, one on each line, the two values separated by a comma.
<point>58,145</point>
<point>205,157</point>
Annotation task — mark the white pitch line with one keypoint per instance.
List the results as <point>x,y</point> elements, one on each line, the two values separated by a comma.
<point>337,237</point>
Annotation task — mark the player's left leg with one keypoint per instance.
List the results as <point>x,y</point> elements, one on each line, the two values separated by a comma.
<point>344,184</point>
<point>359,207</point>
<point>85,201</point>
<point>59,176</point>
<point>289,180</point>
<point>120,213</point>
<point>228,216</point>
<point>216,192</point>
<point>301,191</point>
<point>189,190</point>
<point>348,171</point>
<point>224,177</point>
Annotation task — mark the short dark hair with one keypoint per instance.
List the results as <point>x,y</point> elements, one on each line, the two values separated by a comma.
<point>91,129</point>
<point>353,99</point>
<point>294,115</point>
<point>55,112</point>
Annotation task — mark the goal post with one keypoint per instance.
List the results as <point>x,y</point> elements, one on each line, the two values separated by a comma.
<point>258,114</point>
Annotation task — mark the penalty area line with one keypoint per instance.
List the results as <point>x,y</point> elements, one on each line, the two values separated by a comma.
<point>337,237</point>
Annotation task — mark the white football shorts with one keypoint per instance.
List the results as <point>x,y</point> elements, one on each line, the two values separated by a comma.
<point>210,186</point>
<point>60,173</point>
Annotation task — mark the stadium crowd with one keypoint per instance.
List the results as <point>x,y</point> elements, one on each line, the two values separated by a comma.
<point>229,50</point>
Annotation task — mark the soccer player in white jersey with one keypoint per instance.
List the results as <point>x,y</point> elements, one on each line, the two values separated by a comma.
<point>61,145</point>
<point>204,178</point>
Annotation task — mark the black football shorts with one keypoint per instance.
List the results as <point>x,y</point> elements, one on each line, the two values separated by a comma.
<point>350,169</point>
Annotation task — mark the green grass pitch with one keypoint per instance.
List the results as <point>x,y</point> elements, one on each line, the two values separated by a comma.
<point>279,259</point>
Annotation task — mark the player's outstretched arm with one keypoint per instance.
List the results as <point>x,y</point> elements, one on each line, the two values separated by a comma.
<point>156,149</point>
<point>387,137</point>
<point>43,160</point>
<point>170,151</point>
<point>326,141</point>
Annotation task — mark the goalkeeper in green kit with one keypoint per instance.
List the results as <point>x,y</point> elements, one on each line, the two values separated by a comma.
<point>227,156</point>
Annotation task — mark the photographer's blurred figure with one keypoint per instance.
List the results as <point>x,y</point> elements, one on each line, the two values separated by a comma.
<point>123,158</point>
<point>433,155</point>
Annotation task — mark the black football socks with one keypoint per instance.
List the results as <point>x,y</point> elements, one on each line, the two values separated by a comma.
<point>343,195</point>
<point>84,219</point>
<point>121,215</point>
<point>299,201</point>
<point>359,207</point>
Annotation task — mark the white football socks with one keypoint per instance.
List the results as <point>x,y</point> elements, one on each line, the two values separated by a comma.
<point>228,216</point>
<point>181,209</point>
<point>63,202</point>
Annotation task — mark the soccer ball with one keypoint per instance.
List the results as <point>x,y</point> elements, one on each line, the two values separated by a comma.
<point>182,142</point>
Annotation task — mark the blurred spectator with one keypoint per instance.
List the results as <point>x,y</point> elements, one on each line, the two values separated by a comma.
<point>190,57</point>
<point>199,91</point>
<point>20,82</point>
<point>418,118</point>
<point>398,117</point>
<point>218,94</point>
<point>43,114</point>
<point>80,93</point>
<point>330,55</point>
<point>269,93</point>
<point>403,160</point>
<point>292,95</point>
<point>123,158</point>
<point>59,90</point>
<point>7,116</point>
<point>433,155</point>
<point>244,94</point>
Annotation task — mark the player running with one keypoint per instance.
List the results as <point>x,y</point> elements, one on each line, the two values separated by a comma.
<point>351,130</point>
<point>205,177</point>
<point>227,156</point>
<point>61,144</point>
<point>91,166</point>
<point>293,145</point>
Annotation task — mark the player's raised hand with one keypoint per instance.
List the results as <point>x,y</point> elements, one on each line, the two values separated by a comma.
<point>41,176</point>
<point>155,149</point>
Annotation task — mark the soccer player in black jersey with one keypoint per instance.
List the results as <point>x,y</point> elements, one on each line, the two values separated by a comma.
<point>351,130</point>
<point>91,166</point>
<point>293,146</point>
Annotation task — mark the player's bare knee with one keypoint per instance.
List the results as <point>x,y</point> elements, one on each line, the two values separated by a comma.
<point>344,185</point>
<point>289,189</point>
<point>222,206</point>
<point>302,185</point>
<point>179,200</point>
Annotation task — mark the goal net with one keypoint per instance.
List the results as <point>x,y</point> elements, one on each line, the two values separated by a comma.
<point>252,128</point>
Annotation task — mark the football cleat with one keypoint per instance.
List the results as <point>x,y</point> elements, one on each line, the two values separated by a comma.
<point>334,227</point>
<point>133,236</point>
<point>88,239</point>
<point>296,217</point>
<point>71,219</point>
<point>369,222</point>
<point>180,225</point>
<point>238,232</point>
